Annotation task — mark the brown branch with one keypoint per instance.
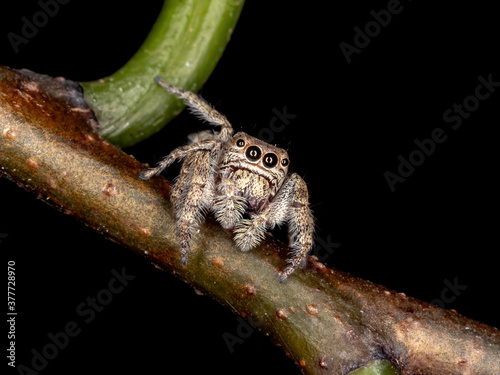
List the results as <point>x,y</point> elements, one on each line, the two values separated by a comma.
<point>327,321</point>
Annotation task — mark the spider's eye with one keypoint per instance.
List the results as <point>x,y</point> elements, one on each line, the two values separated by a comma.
<point>253,153</point>
<point>240,143</point>
<point>285,162</point>
<point>270,160</point>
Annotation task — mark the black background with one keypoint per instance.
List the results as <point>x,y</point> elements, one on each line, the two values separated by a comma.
<point>353,120</point>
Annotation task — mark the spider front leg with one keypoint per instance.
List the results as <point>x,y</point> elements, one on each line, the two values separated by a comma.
<point>300,224</point>
<point>291,204</point>
<point>228,206</point>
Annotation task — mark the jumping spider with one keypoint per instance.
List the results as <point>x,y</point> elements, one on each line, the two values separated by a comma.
<point>231,175</point>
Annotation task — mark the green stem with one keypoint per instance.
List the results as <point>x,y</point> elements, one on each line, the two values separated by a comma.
<point>183,47</point>
<point>378,367</point>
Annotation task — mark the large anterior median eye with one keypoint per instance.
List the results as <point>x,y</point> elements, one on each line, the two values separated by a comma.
<point>253,153</point>
<point>270,160</point>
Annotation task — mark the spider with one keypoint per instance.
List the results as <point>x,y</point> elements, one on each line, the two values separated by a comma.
<point>243,180</point>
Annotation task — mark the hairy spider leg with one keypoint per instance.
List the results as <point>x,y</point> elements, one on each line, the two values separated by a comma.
<point>178,153</point>
<point>229,207</point>
<point>300,224</point>
<point>201,109</point>
<point>188,196</point>
<point>291,204</point>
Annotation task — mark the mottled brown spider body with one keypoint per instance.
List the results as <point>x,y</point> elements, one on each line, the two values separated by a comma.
<point>242,180</point>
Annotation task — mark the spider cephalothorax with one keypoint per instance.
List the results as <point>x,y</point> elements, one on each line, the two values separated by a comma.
<point>231,175</point>
<point>254,169</point>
